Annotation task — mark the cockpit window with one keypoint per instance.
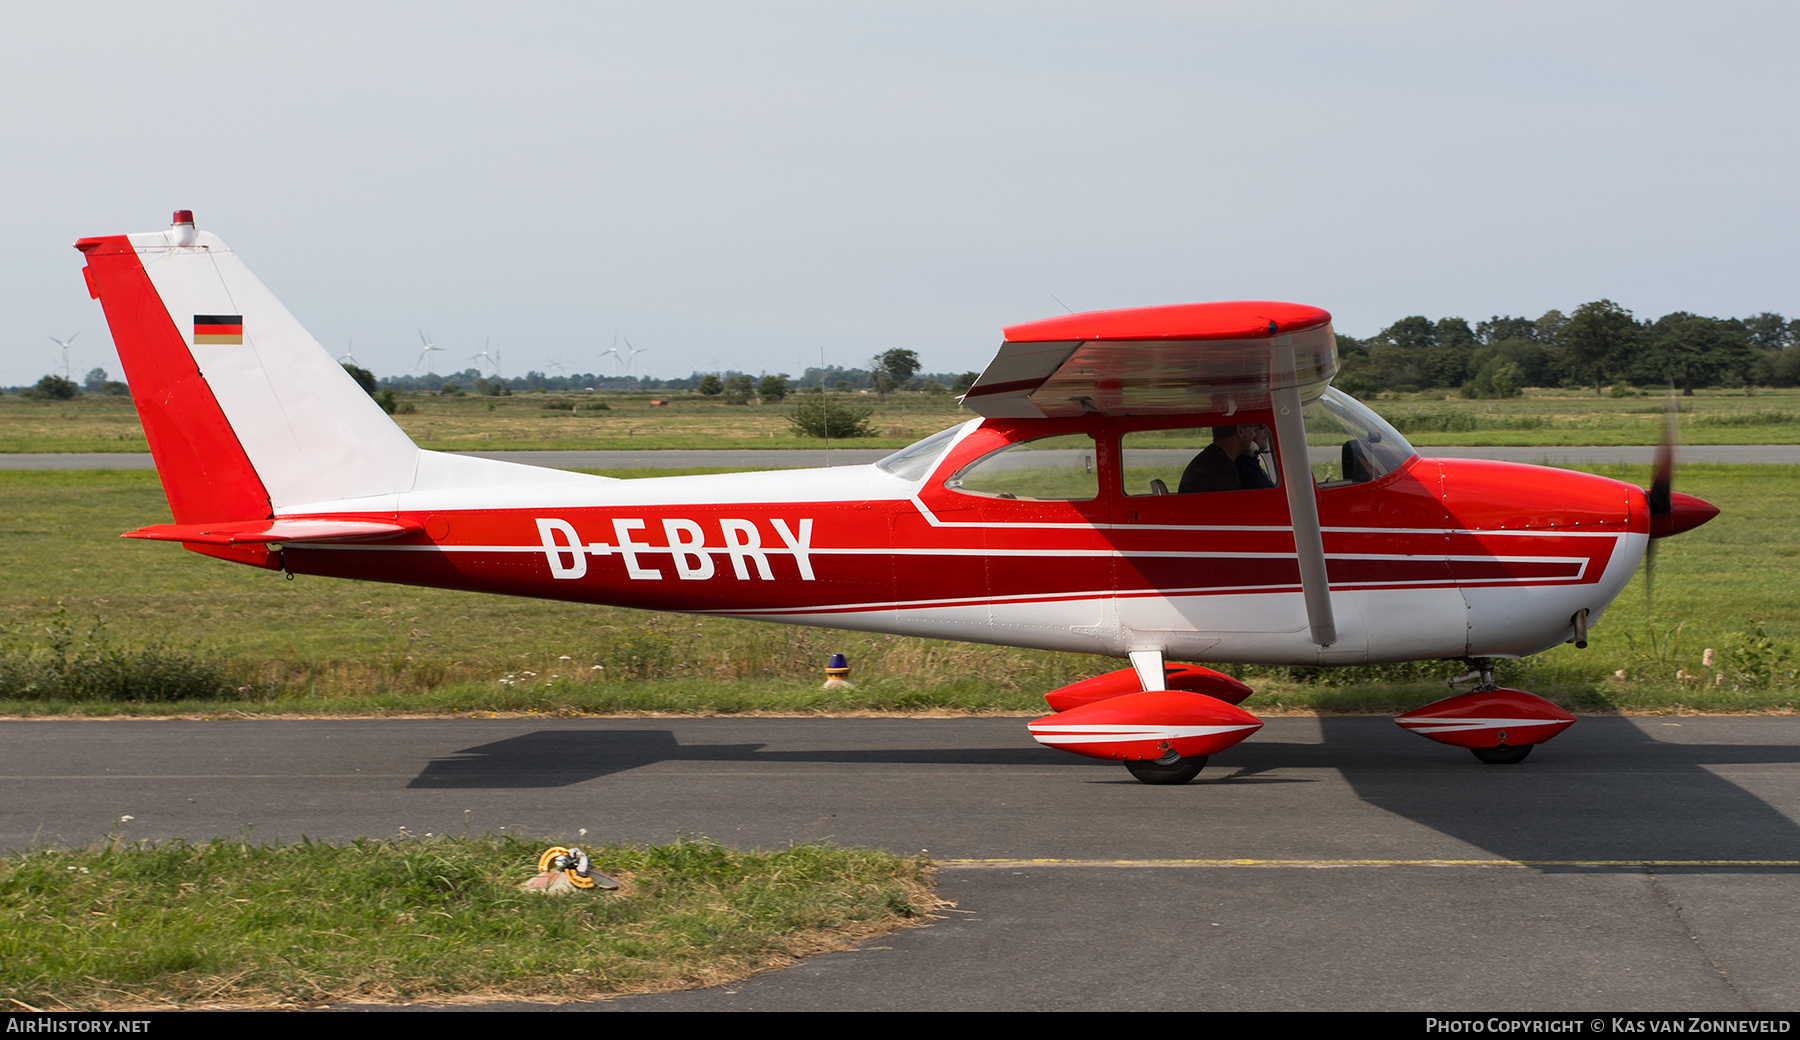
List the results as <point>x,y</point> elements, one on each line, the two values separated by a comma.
<point>914,462</point>
<point>1347,443</point>
<point>1048,469</point>
<point>1193,459</point>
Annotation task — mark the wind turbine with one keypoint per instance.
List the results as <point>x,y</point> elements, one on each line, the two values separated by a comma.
<point>615,355</point>
<point>64,344</point>
<point>425,354</point>
<point>631,362</point>
<point>485,356</point>
<point>349,357</point>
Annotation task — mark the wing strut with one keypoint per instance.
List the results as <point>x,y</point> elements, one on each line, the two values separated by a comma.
<point>1303,508</point>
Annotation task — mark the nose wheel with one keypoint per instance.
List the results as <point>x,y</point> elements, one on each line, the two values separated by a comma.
<point>1170,769</point>
<point>1502,756</point>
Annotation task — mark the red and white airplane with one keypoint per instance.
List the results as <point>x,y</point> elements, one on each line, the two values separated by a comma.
<point>1058,518</point>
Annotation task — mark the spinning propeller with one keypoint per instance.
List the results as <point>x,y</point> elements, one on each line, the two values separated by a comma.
<point>1670,511</point>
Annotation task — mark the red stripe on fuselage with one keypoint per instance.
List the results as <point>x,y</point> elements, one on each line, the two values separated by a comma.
<point>863,557</point>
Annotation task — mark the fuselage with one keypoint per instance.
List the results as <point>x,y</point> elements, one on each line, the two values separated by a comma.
<point>1431,559</point>
<point>1114,498</point>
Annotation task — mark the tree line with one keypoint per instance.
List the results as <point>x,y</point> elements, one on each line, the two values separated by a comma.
<point>1600,343</point>
<point>896,369</point>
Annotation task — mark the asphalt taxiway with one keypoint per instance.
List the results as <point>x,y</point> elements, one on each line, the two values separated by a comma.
<point>1339,863</point>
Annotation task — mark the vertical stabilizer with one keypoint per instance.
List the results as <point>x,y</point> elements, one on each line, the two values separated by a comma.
<point>245,412</point>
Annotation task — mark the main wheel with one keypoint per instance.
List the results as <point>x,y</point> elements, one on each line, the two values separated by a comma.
<point>1502,756</point>
<point>1178,771</point>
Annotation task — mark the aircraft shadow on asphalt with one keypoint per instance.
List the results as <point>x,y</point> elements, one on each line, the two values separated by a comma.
<point>1607,791</point>
<point>559,758</point>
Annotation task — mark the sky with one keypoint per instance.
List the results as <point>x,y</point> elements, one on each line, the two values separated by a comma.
<point>757,186</point>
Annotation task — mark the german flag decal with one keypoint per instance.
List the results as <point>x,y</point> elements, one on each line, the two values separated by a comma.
<point>219,328</point>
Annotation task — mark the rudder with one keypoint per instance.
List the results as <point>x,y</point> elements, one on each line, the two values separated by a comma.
<point>246,414</point>
<point>205,473</point>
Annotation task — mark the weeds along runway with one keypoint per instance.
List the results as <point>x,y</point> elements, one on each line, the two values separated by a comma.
<point>1634,863</point>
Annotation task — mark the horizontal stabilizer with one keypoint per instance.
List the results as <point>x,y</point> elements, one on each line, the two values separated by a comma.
<point>289,530</point>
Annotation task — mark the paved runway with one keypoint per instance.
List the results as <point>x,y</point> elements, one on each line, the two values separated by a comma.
<point>1326,863</point>
<point>1762,454</point>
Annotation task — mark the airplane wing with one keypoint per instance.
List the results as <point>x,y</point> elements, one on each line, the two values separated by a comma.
<point>1189,358</point>
<point>245,532</point>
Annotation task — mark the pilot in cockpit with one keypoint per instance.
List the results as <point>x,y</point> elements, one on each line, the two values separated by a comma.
<point>1232,462</point>
<point>1253,473</point>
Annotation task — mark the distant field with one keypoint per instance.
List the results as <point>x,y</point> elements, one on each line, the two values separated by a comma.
<point>1579,417</point>
<point>324,645</point>
<point>524,422</point>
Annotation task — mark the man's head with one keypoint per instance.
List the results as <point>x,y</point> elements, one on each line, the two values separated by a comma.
<point>1233,440</point>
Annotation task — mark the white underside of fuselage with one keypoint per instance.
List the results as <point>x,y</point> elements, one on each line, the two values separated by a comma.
<point>1375,626</point>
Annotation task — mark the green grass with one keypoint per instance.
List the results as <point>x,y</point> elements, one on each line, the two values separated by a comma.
<point>230,923</point>
<point>319,645</point>
<point>522,422</point>
<point>74,667</point>
<point>525,422</point>
<point>1564,417</point>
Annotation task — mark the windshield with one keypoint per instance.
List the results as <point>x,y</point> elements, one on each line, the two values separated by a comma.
<point>914,462</point>
<point>1347,443</point>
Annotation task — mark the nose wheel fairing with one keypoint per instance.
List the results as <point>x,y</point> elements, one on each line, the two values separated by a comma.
<point>1500,726</point>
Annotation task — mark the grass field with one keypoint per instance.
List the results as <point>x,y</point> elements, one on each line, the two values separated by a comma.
<point>226,923</point>
<point>522,422</point>
<point>324,645</point>
<point>1557,417</point>
<point>562,421</point>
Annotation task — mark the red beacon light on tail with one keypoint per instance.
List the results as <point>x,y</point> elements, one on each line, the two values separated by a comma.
<point>182,233</point>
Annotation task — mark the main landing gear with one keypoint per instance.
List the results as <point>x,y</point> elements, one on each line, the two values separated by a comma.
<point>1164,734</point>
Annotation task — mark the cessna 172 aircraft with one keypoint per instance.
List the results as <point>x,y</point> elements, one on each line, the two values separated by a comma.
<point>1091,506</point>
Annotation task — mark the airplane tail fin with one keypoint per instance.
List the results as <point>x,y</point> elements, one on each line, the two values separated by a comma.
<point>246,414</point>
